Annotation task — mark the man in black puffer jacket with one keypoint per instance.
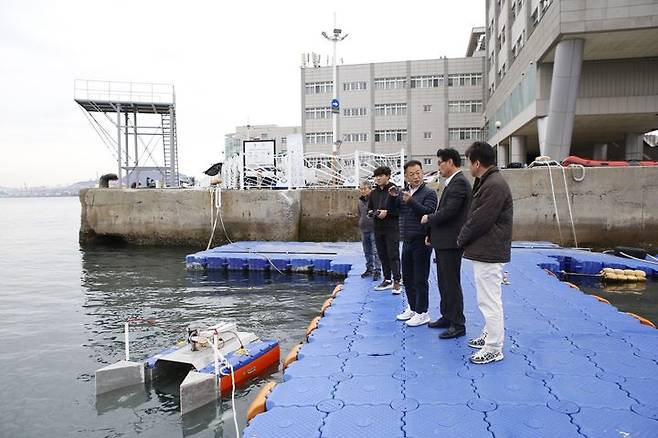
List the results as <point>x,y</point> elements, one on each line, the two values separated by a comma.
<point>387,230</point>
<point>413,203</point>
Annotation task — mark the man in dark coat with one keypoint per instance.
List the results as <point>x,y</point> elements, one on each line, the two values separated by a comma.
<point>416,201</point>
<point>445,226</point>
<point>487,240</point>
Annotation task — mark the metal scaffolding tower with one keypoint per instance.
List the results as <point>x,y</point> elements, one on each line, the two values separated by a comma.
<point>112,109</point>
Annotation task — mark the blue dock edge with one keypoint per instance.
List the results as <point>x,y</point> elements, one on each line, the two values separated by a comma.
<point>573,366</point>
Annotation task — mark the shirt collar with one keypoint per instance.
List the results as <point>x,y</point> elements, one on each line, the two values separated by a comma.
<point>451,177</point>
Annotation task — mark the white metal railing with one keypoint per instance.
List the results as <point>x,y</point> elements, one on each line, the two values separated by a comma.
<point>311,170</point>
<point>117,91</point>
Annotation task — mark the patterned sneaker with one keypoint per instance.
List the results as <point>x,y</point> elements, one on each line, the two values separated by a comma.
<point>386,284</point>
<point>396,288</point>
<point>486,355</point>
<point>376,276</point>
<point>366,273</point>
<point>478,342</point>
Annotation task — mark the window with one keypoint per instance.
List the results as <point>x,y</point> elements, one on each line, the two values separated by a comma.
<point>426,81</point>
<point>427,161</point>
<point>355,86</point>
<point>388,135</point>
<point>319,87</point>
<point>427,108</point>
<point>465,79</point>
<point>319,137</point>
<point>318,113</point>
<point>391,109</point>
<point>465,106</point>
<point>427,134</point>
<point>355,137</point>
<point>464,133</point>
<point>355,112</point>
<point>390,83</point>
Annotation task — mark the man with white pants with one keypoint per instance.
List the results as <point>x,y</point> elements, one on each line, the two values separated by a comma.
<point>487,241</point>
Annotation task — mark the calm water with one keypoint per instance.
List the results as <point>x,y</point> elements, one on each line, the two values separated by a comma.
<point>638,298</point>
<point>61,315</point>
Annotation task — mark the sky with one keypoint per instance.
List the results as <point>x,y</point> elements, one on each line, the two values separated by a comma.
<point>231,63</point>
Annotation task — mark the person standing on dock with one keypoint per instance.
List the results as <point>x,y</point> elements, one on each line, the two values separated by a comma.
<point>487,240</point>
<point>373,265</point>
<point>445,226</point>
<point>413,203</point>
<point>387,230</point>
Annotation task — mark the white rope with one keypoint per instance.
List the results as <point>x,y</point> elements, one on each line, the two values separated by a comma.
<point>652,257</point>
<point>218,357</point>
<point>566,191</point>
<point>573,174</point>
<point>636,258</point>
<point>216,201</point>
<point>557,215</point>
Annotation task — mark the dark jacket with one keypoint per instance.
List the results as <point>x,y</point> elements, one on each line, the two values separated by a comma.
<point>487,234</point>
<point>449,218</point>
<point>422,202</point>
<point>378,200</point>
<point>365,222</point>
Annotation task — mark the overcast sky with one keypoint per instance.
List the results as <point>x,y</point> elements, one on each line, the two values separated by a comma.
<point>231,63</point>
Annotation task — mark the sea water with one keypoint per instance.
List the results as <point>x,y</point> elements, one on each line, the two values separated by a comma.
<point>62,309</point>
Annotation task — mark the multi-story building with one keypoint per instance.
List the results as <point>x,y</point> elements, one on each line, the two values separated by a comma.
<point>384,107</point>
<point>233,141</point>
<point>571,77</point>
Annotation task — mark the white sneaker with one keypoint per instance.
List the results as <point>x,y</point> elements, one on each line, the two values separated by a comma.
<point>418,319</point>
<point>406,315</point>
<point>396,288</point>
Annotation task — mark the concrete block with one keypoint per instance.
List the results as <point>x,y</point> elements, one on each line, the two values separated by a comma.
<point>119,375</point>
<point>198,389</point>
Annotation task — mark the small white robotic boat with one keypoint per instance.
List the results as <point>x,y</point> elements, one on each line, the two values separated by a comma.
<point>218,359</point>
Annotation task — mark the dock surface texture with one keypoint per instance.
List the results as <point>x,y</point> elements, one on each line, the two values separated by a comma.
<point>573,366</point>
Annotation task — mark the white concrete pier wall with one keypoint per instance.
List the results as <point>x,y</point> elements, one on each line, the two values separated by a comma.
<point>610,206</point>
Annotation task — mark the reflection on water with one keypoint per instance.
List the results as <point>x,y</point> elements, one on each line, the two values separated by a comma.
<point>640,298</point>
<point>63,309</point>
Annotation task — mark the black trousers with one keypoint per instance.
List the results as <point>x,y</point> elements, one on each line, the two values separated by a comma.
<point>448,264</point>
<point>388,249</point>
<point>415,272</point>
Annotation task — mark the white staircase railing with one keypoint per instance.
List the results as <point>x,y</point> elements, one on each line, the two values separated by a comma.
<point>311,170</point>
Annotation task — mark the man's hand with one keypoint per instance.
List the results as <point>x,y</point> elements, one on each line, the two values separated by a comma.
<point>406,197</point>
<point>424,219</point>
<point>382,214</point>
<point>427,240</point>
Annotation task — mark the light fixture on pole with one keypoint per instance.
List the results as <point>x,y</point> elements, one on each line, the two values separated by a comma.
<point>498,125</point>
<point>335,105</point>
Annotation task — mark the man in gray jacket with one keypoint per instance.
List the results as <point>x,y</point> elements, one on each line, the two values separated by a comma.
<point>366,224</point>
<point>487,240</point>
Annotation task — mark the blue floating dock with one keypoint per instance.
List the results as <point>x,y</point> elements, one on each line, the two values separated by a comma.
<point>573,366</point>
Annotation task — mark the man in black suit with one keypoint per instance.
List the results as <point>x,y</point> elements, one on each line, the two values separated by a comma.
<point>445,225</point>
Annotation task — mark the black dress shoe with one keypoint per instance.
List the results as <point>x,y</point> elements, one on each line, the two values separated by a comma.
<point>452,332</point>
<point>439,323</point>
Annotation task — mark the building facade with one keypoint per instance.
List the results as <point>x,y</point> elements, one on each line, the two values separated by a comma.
<point>575,77</point>
<point>418,106</point>
<point>233,141</point>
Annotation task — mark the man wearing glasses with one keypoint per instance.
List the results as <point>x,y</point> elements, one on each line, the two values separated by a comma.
<point>413,203</point>
<point>445,226</point>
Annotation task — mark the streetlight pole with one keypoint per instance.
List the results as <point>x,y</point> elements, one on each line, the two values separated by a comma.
<point>334,38</point>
